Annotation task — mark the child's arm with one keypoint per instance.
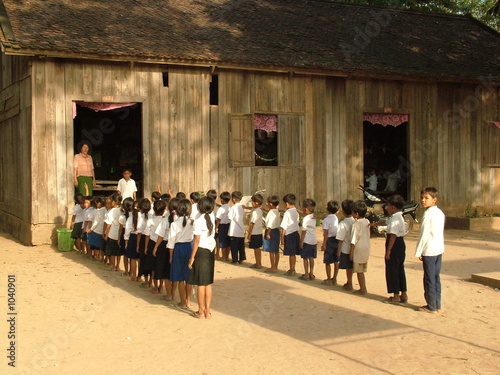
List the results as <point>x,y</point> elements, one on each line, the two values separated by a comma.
<point>217,223</point>
<point>86,189</point>
<point>325,238</point>
<point>105,231</point>
<point>196,243</point>
<point>351,253</point>
<point>139,235</point>
<point>158,242</point>
<point>390,244</point>
<point>302,236</point>
<point>73,218</point>
<point>268,233</point>
<point>339,247</point>
<point>135,195</point>
<point>250,229</point>
<point>282,236</point>
<point>158,188</point>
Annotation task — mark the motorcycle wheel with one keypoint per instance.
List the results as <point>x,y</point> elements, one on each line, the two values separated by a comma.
<point>409,222</point>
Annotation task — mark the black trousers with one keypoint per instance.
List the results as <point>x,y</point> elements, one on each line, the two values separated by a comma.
<point>394,267</point>
<point>238,249</point>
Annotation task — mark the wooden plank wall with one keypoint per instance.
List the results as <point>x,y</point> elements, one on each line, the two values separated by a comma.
<point>15,115</point>
<point>186,140</point>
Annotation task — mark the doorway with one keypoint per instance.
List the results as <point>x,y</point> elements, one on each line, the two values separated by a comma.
<point>386,153</point>
<point>113,132</point>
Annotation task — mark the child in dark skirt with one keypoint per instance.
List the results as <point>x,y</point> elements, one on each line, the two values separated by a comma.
<point>202,260</point>
<point>222,224</point>
<point>255,230</point>
<point>180,237</point>
<point>77,220</point>
<point>272,235</point>
<point>148,261</point>
<point>112,232</point>
<point>161,274</point>
<point>330,244</point>
<point>308,240</point>
<point>395,251</point>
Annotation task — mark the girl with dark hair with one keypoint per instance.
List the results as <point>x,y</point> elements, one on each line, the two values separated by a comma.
<point>202,261</point>
<point>180,237</point>
<point>130,236</point>
<point>112,231</point>
<point>148,265</point>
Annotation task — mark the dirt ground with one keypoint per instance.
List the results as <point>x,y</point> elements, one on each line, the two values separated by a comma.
<point>74,316</point>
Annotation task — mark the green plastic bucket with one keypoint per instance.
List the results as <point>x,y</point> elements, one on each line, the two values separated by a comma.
<point>64,240</point>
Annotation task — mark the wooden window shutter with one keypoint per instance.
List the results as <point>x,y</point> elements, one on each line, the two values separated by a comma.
<point>241,148</point>
<point>290,140</point>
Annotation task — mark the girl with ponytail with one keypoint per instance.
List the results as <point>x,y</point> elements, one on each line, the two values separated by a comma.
<point>202,261</point>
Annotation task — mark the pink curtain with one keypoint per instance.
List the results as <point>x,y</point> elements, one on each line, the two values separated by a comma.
<point>496,123</point>
<point>384,119</point>
<point>97,106</point>
<point>268,123</point>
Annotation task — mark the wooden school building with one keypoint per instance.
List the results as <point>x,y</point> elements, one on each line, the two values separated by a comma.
<point>287,96</point>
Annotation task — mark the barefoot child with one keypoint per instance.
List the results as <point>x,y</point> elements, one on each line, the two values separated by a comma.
<point>94,234</point>
<point>290,238</point>
<point>130,236</point>
<point>308,239</point>
<point>154,221</point>
<point>77,220</point>
<point>344,242</point>
<point>112,232</point>
<point>255,230</point>
<point>222,224</point>
<point>145,209</point>
<point>395,251</point>
<point>180,237</point>
<point>330,244</point>
<point>272,235</point>
<point>202,261</point>
<point>430,248</point>
<point>360,244</point>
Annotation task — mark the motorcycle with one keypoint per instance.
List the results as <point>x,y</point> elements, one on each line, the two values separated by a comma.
<point>377,212</point>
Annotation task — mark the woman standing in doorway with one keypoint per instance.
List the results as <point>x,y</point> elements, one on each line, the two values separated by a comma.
<point>84,171</point>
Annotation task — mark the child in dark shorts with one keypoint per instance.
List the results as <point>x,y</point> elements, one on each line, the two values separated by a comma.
<point>308,240</point>
<point>290,238</point>
<point>330,245</point>
<point>255,230</point>
<point>222,224</point>
<point>77,220</point>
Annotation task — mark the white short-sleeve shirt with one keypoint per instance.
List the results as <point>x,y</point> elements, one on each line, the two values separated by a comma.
<point>256,219</point>
<point>113,219</point>
<point>361,240</point>
<point>236,225</point>
<point>396,224</point>
<point>309,226</point>
<point>344,234</point>
<point>273,219</point>
<point>151,227</point>
<point>127,188</point>
<point>200,228</point>
<point>162,229</point>
<point>179,233</point>
<point>290,222</point>
<point>331,224</point>
<point>222,214</point>
<point>98,221</point>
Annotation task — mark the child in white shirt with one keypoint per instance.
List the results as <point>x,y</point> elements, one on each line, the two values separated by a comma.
<point>330,244</point>
<point>237,229</point>
<point>344,242</point>
<point>255,230</point>
<point>222,224</point>
<point>308,240</point>
<point>360,244</point>
<point>290,238</point>
<point>272,236</point>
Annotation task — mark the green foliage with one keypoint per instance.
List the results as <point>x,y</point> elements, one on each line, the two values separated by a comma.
<point>484,10</point>
<point>469,213</point>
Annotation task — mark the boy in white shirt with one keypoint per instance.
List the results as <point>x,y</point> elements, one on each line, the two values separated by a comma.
<point>344,242</point>
<point>222,224</point>
<point>372,180</point>
<point>272,236</point>
<point>255,230</point>
<point>430,248</point>
<point>395,251</point>
<point>360,244</point>
<point>126,186</point>
<point>237,229</point>
<point>330,244</point>
<point>290,238</point>
<point>308,240</point>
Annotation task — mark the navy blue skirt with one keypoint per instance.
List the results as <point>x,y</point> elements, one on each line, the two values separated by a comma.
<point>273,244</point>
<point>179,270</point>
<point>224,240</point>
<point>130,251</point>
<point>309,251</point>
<point>95,240</point>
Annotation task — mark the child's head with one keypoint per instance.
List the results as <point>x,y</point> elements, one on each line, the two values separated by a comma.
<point>155,195</point>
<point>360,208</point>
<point>128,205</point>
<point>144,205</point>
<point>395,203</point>
<point>79,198</point>
<point>184,210</point>
<point>127,173</point>
<point>98,201</point>
<point>372,171</point>
<point>309,205</point>
<point>290,200</point>
<point>212,193</point>
<point>165,197</point>
<point>180,195</point>
<point>428,197</point>
<point>108,203</point>
<point>273,201</point>
<point>116,199</point>
<point>195,197</point>
<point>205,207</point>
<point>257,200</point>
<point>225,197</point>
<point>236,196</point>
<point>332,207</point>
<point>172,208</point>
<point>159,207</point>
<point>347,207</point>
<point>87,202</point>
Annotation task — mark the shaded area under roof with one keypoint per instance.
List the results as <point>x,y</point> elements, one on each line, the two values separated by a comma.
<point>276,33</point>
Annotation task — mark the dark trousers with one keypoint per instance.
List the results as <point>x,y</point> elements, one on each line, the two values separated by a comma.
<point>237,249</point>
<point>432,282</point>
<point>395,276</point>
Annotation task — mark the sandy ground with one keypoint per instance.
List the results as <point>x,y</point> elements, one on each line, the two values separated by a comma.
<point>76,317</point>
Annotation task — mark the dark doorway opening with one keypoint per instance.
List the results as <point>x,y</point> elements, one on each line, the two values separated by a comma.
<point>386,155</point>
<point>115,141</point>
